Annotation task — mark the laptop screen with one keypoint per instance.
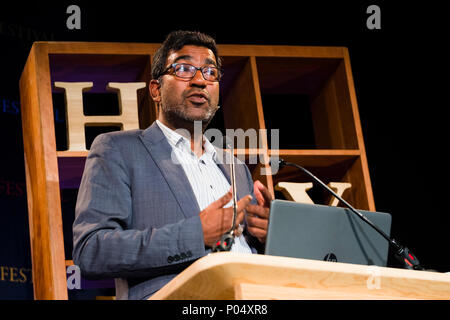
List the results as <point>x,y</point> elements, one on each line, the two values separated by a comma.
<point>327,233</point>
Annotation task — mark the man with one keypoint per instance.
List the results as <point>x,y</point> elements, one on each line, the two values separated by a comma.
<point>153,201</point>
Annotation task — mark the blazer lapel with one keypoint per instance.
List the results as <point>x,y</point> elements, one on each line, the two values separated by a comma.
<point>160,150</point>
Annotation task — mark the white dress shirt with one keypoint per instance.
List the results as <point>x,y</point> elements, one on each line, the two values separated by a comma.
<point>207,180</point>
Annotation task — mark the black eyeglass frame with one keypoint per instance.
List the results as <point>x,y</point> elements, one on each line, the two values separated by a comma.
<point>173,66</point>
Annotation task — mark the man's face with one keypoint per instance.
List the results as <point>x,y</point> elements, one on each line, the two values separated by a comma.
<point>184,101</point>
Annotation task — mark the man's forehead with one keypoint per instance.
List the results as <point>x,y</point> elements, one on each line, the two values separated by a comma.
<point>192,53</point>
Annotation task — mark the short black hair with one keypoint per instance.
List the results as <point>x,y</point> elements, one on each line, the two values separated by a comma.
<point>177,40</point>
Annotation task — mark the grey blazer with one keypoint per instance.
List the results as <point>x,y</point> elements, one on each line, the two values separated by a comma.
<point>136,217</point>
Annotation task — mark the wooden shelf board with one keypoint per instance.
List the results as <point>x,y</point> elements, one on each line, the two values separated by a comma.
<point>316,158</point>
<point>224,49</point>
<point>285,152</point>
<point>282,51</point>
<point>99,47</point>
<point>72,154</point>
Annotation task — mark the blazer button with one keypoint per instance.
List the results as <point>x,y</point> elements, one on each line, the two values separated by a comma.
<point>189,254</point>
<point>176,257</point>
<point>183,255</point>
<point>169,259</point>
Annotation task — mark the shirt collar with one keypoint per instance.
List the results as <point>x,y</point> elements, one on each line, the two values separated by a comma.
<point>172,136</point>
<point>209,148</point>
<point>178,141</point>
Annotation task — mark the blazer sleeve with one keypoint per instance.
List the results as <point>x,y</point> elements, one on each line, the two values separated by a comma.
<point>104,243</point>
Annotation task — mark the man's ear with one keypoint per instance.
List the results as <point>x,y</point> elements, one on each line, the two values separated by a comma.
<point>155,90</point>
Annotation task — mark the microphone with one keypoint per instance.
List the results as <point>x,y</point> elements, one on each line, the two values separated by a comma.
<point>401,253</point>
<point>226,241</point>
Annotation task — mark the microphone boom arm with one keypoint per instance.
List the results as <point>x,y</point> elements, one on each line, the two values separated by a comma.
<point>403,254</point>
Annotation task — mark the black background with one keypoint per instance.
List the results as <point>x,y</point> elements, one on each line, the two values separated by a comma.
<point>400,75</point>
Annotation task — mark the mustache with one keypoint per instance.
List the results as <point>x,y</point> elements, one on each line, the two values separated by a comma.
<point>200,92</point>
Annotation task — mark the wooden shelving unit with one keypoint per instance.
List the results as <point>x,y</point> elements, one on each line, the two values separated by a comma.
<point>307,93</point>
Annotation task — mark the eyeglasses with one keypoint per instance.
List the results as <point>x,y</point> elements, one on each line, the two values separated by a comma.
<point>188,71</point>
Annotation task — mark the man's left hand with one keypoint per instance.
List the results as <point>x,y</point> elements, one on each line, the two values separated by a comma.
<point>257,216</point>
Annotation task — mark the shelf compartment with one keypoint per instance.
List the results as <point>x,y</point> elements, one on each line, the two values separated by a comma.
<point>100,69</point>
<point>70,168</point>
<point>308,100</point>
<point>329,166</point>
<point>242,101</point>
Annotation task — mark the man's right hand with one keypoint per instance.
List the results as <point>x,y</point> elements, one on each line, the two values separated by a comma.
<point>216,220</point>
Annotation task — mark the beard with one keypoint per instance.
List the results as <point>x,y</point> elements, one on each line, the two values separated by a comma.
<point>179,116</point>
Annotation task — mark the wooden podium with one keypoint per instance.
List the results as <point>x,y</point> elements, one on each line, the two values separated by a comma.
<point>221,276</point>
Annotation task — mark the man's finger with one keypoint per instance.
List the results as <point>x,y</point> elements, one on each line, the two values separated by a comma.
<point>257,210</point>
<point>257,223</point>
<point>239,218</point>
<point>222,201</point>
<point>258,195</point>
<point>262,194</point>
<point>242,204</point>
<point>266,194</point>
<point>239,210</point>
<point>260,234</point>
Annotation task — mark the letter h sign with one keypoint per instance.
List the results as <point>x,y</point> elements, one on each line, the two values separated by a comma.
<point>76,120</point>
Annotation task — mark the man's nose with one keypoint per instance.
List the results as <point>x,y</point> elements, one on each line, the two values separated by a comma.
<point>198,80</point>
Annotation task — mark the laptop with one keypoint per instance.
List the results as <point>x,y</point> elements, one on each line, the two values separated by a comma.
<point>327,233</point>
